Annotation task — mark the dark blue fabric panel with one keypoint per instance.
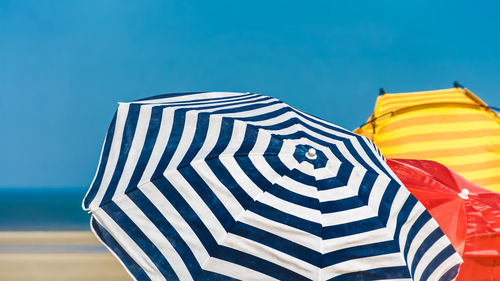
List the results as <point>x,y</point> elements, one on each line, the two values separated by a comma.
<point>357,252</point>
<point>140,239</point>
<point>104,160</point>
<point>341,205</point>
<point>290,196</point>
<point>156,217</point>
<point>428,242</point>
<point>110,241</point>
<point>415,228</point>
<point>439,259</point>
<point>251,133</point>
<point>276,242</point>
<point>149,142</point>
<point>187,213</point>
<point>229,182</point>
<point>213,276</point>
<point>450,274</point>
<point>384,273</point>
<point>127,138</point>
<point>199,137</point>
<point>366,186</point>
<point>350,228</point>
<point>173,142</point>
<point>208,196</point>
<point>341,179</point>
<point>285,218</point>
<point>403,215</point>
<point>387,200</point>
<point>257,264</point>
<point>226,131</point>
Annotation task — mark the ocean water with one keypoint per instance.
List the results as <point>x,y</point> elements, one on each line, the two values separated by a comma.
<point>43,208</point>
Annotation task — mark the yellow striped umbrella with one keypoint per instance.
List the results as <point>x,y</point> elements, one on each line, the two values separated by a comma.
<point>451,126</point>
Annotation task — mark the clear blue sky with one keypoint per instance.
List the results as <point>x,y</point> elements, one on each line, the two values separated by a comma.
<point>65,64</point>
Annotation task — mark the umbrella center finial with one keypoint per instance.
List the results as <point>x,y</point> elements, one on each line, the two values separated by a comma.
<point>464,194</point>
<point>311,154</point>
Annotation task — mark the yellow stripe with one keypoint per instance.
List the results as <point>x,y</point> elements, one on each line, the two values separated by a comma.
<point>481,174</point>
<point>468,159</point>
<point>491,143</point>
<point>475,166</point>
<point>395,106</point>
<point>406,140</point>
<point>414,131</point>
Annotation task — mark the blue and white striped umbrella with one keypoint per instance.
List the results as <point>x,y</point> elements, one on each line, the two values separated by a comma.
<point>223,186</point>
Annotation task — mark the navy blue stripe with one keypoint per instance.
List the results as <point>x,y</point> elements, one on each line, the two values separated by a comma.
<point>208,196</point>
<point>350,228</point>
<point>256,263</point>
<point>253,173</point>
<point>384,273</point>
<point>285,218</point>
<point>266,116</point>
<point>247,107</point>
<point>131,265</point>
<point>414,229</point>
<point>358,252</point>
<point>147,149</point>
<point>290,196</point>
<point>229,182</point>
<point>187,213</point>
<point>251,133</point>
<point>213,276</point>
<point>366,186</point>
<point>173,142</point>
<point>104,160</point>
<point>341,205</point>
<point>403,215</point>
<point>278,243</point>
<point>168,231</point>
<point>387,200</point>
<point>199,137</point>
<point>226,131</point>
<point>341,179</point>
<point>301,177</point>
<point>438,260</point>
<point>451,274</point>
<point>127,138</point>
<point>213,103</point>
<point>426,244</point>
<point>141,239</point>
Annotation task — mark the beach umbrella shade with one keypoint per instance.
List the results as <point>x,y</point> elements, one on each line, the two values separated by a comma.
<point>468,214</point>
<point>452,126</point>
<point>221,186</point>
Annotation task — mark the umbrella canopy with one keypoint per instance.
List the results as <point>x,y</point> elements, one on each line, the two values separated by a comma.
<point>453,127</point>
<point>468,214</point>
<point>214,186</point>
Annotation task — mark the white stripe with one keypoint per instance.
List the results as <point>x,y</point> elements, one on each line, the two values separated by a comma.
<point>200,208</point>
<point>234,270</point>
<point>240,177</point>
<point>293,234</point>
<point>135,149</point>
<point>350,190</point>
<point>134,251</point>
<point>175,219</point>
<point>364,238</point>
<point>185,141</point>
<point>164,133</point>
<point>445,266</point>
<point>114,153</point>
<point>347,216</point>
<point>267,253</point>
<point>220,190</point>
<point>422,233</point>
<point>362,264</point>
<point>290,208</point>
<point>431,253</point>
<point>155,236</point>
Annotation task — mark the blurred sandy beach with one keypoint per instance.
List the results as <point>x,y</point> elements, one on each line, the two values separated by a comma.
<point>56,255</point>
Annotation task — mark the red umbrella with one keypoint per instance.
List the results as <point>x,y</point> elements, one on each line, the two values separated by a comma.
<point>468,214</point>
